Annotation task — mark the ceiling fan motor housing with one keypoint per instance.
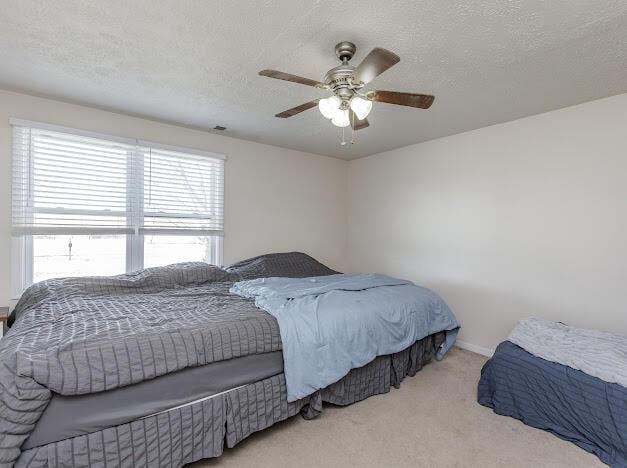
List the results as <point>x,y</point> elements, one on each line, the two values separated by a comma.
<point>338,79</point>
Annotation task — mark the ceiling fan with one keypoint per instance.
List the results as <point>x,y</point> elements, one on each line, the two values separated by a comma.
<point>349,105</point>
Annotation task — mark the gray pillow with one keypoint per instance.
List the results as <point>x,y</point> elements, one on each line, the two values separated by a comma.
<point>287,265</point>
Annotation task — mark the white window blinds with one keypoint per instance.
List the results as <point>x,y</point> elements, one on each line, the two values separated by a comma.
<point>182,192</point>
<point>72,182</point>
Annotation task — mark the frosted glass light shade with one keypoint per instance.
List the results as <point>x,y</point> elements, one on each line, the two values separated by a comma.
<point>340,119</point>
<point>361,107</point>
<point>329,106</point>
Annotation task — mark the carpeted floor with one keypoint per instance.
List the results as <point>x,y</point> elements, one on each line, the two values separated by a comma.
<point>433,420</point>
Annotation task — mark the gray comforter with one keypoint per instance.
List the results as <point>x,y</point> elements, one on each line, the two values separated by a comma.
<point>84,335</point>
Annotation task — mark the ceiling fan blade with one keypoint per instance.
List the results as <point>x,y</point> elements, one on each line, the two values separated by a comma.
<point>375,63</point>
<point>289,77</point>
<point>355,122</point>
<point>298,109</point>
<point>422,101</point>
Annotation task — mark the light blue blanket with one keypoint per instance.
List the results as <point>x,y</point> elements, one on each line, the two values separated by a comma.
<point>332,324</point>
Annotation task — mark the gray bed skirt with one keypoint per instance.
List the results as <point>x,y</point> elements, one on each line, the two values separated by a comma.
<point>202,429</point>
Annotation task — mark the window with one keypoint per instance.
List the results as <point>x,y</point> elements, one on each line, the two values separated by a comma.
<point>68,255</point>
<point>88,204</point>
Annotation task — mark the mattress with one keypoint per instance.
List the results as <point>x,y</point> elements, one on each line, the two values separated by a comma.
<point>573,405</point>
<point>75,415</point>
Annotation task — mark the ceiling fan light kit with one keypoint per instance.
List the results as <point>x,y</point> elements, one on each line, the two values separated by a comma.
<point>361,107</point>
<point>329,106</point>
<point>348,105</point>
<point>340,119</point>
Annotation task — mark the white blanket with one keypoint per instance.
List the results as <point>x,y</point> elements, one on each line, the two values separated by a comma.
<point>599,354</point>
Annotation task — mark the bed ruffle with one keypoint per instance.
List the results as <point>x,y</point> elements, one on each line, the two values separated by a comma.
<point>202,429</point>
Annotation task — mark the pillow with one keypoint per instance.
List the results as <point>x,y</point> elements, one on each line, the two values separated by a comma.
<point>287,265</point>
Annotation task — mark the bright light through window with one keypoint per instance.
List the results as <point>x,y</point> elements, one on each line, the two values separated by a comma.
<point>63,255</point>
<point>164,250</point>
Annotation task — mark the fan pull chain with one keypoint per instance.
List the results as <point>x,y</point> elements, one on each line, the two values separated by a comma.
<point>352,116</point>
<point>343,140</point>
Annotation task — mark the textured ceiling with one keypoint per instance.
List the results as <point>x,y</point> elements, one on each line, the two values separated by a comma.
<point>195,62</point>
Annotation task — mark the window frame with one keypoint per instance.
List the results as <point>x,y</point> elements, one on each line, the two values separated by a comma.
<point>22,253</point>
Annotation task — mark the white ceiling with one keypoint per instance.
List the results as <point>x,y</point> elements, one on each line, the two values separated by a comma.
<point>195,62</point>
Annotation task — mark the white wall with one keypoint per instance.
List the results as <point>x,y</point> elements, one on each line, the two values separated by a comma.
<point>510,221</point>
<point>275,199</point>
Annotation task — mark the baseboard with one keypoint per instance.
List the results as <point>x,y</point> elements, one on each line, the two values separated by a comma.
<point>474,348</point>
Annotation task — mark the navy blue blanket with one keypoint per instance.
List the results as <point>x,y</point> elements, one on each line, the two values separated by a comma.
<point>566,402</point>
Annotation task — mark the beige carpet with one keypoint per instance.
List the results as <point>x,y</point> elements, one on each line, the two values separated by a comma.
<point>433,420</point>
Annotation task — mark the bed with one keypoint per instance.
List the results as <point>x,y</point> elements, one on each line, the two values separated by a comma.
<point>160,368</point>
<point>567,402</point>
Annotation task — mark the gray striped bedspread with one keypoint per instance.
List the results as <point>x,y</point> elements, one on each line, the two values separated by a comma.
<point>84,335</point>
<point>203,429</point>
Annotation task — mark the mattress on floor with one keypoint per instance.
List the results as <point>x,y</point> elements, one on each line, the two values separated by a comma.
<point>572,405</point>
<point>75,415</point>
